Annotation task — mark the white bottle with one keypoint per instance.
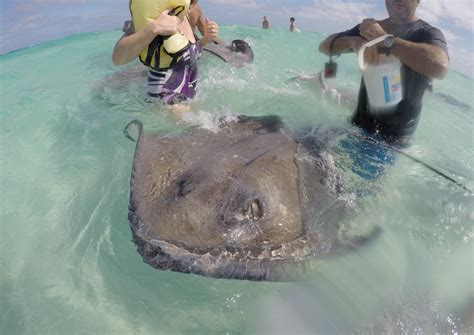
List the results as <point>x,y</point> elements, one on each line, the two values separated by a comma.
<point>382,80</point>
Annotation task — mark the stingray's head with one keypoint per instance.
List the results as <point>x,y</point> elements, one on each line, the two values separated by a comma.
<point>242,47</point>
<point>242,196</point>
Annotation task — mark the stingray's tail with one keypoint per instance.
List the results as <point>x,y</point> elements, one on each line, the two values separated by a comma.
<point>139,124</point>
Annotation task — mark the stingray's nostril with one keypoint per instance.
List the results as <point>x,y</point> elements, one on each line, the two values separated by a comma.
<point>256,210</point>
<point>185,186</point>
<point>181,191</point>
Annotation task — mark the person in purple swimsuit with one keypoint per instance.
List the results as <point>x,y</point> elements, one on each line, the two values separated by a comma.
<point>178,82</point>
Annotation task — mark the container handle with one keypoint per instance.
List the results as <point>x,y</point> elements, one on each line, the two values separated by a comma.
<point>362,64</point>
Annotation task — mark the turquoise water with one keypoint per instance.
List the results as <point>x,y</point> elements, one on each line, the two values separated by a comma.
<point>67,262</point>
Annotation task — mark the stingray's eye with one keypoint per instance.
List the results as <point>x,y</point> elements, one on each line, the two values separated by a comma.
<point>255,210</point>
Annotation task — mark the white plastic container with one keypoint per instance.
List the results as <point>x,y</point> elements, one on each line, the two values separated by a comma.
<point>383,80</point>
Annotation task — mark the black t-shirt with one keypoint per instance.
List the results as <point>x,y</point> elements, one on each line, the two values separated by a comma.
<point>402,121</point>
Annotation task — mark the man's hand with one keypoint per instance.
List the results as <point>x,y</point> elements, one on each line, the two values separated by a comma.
<point>370,29</point>
<point>164,25</point>
<point>371,55</point>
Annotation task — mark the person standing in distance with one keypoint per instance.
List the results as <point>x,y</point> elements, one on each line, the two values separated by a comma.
<point>293,28</point>
<point>265,23</point>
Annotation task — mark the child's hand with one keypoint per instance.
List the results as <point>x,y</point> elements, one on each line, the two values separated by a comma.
<point>164,25</point>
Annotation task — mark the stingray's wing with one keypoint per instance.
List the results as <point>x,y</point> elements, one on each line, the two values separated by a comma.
<point>157,160</point>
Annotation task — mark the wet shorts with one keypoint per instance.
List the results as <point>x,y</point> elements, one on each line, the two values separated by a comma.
<point>179,82</point>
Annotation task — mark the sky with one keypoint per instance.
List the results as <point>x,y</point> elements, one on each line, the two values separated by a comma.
<point>25,23</point>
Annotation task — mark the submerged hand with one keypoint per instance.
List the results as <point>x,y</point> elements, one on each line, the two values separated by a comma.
<point>370,29</point>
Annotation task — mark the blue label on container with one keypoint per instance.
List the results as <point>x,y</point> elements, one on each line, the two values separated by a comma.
<point>386,88</point>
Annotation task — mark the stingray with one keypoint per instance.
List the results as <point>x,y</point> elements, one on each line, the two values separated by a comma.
<point>237,53</point>
<point>248,202</point>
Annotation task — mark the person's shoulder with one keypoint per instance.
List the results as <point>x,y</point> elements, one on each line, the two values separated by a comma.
<point>422,31</point>
<point>427,29</point>
<point>422,24</point>
<point>198,9</point>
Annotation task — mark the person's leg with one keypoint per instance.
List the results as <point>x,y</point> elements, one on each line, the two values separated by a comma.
<point>370,159</point>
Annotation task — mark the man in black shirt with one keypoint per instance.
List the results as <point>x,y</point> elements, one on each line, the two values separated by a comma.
<point>423,52</point>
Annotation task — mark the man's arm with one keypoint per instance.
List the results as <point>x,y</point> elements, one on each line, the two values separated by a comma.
<point>342,44</point>
<point>426,59</point>
<point>129,46</point>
